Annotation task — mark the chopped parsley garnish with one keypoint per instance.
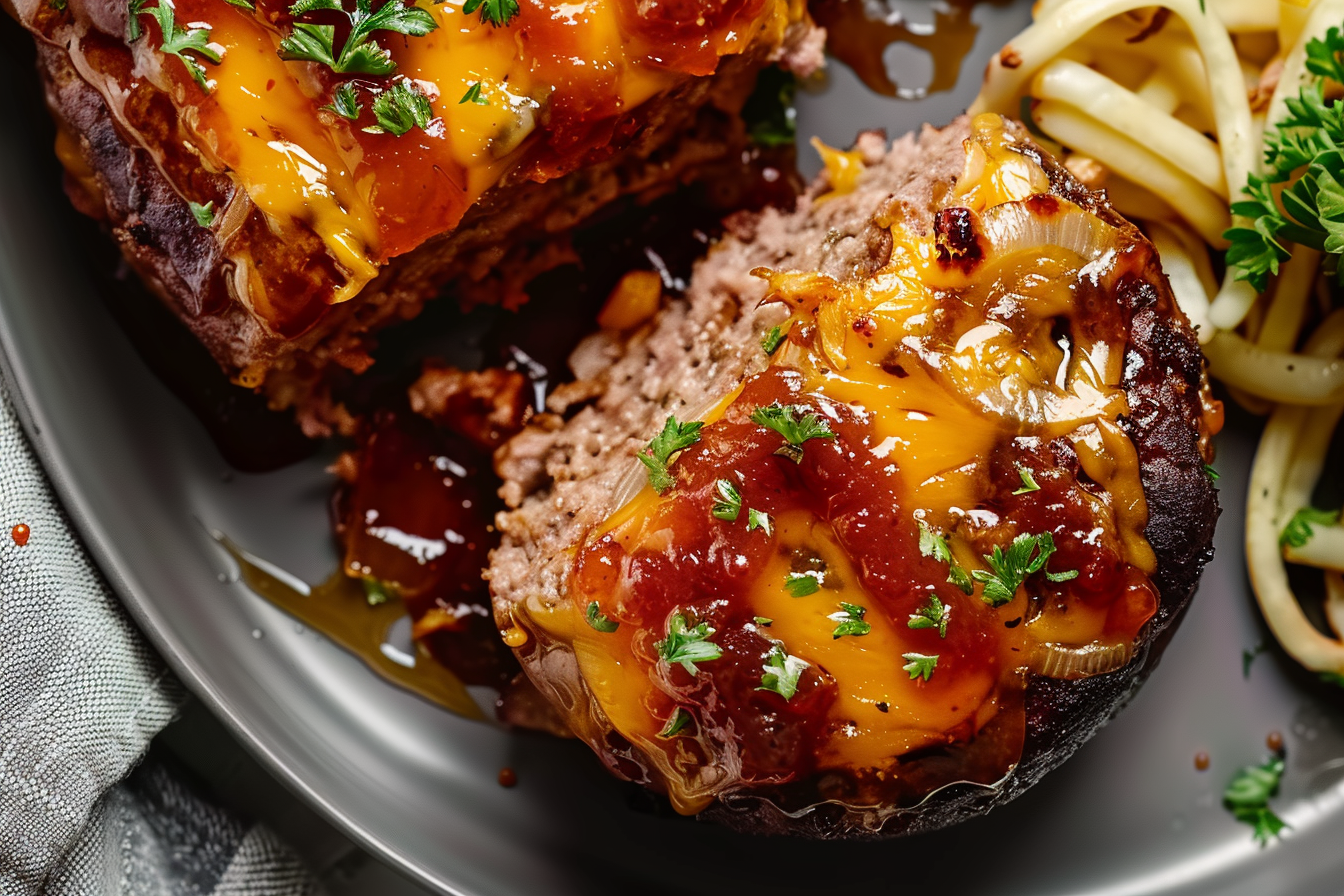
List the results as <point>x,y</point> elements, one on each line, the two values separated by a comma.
<point>773,339</point>
<point>1248,657</point>
<point>345,102</point>
<point>801,584</point>
<point>764,621</point>
<point>687,646</point>
<point>729,505</point>
<point>1247,797</point>
<point>58,5</point>
<point>781,672</point>
<point>204,213</point>
<point>243,4</point>
<point>1028,482</point>
<point>176,41</point>
<point>674,437</point>
<point>933,614</point>
<point>473,95</point>
<point>598,621</point>
<point>494,12</point>
<point>1333,678</point>
<point>375,591</point>
<point>1210,472</point>
<point>360,54</point>
<point>679,719</point>
<point>920,665</point>
<point>932,544</point>
<point>1302,159</point>
<point>768,113</point>
<point>795,423</point>
<point>1027,554</point>
<point>759,519</point>
<point>849,621</point>
<point>1298,531</point>
<point>400,108</point>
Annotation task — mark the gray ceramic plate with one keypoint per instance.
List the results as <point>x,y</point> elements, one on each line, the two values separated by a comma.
<point>1129,814</point>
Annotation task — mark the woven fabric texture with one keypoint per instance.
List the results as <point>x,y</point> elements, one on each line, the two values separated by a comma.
<point>81,696</point>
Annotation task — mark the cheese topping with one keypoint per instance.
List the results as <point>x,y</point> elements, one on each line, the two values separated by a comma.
<point>967,492</point>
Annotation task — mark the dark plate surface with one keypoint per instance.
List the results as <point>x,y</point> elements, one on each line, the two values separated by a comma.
<point>1129,814</point>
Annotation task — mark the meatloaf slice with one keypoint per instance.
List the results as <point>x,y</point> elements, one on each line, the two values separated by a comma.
<point>946,494</point>
<point>286,207</point>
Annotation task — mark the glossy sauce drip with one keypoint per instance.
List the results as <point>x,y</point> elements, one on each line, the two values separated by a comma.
<point>339,609</point>
<point>949,382</point>
<point>20,534</point>
<point>860,42</point>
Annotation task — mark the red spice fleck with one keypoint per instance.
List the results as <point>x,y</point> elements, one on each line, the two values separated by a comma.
<point>1275,741</point>
<point>20,534</point>
<point>1201,761</point>
<point>507,777</point>
<point>865,325</point>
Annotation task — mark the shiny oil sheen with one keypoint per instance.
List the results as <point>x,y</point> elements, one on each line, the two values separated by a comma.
<point>964,366</point>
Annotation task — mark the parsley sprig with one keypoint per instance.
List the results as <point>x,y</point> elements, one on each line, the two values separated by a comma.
<point>493,12</point>
<point>1247,797</point>
<point>473,95</point>
<point>1299,529</point>
<point>360,54</point>
<point>674,437</point>
<point>687,645</point>
<point>679,719</point>
<point>801,584</point>
<point>345,101</point>
<point>729,505</point>
<point>1026,556</point>
<point>920,665</point>
<point>177,41</point>
<point>1028,482</point>
<point>781,672</point>
<point>849,621</point>
<point>400,108</point>
<point>934,614</point>
<point>1309,210</point>
<point>932,544</point>
<point>202,212</point>
<point>796,423</point>
<point>599,621</point>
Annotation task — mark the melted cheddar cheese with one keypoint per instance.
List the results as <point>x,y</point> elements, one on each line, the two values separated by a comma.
<point>972,395</point>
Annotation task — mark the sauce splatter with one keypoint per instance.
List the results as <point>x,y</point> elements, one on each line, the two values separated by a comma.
<point>508,777</point>
<point>1202,761</point>
<point>1274,741</point>
<point>20,534</point>
<point>861,42</point>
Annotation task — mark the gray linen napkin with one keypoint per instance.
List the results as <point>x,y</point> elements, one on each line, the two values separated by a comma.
<point>81,696</point>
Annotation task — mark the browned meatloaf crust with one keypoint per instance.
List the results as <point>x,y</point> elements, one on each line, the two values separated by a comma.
<point>560,474</point>
<point>134,183</point>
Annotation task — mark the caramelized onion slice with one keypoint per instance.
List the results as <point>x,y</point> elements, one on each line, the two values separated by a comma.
<point>1059,661</point>
<point>1032,223</point>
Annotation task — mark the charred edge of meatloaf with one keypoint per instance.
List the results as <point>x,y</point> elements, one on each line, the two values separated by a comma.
<point>519,228</point>
<point>1164,380</point>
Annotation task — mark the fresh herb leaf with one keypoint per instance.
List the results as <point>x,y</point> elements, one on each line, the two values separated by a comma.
<point>1028,482</point>
<point>204,213</point>
<point>598,621</point>
<point>1247,797</point>
<point>345,102</point>
<point>674,437</point>
<point>759,519</point>
<point>1333,678</point>
<point>849,621</point>
<point>796,423</point>
<point>1299,529</point>
<point>376,592</point>
<point>772,340</point>
<point>801,584</point>
<point>920,665</point>
<point>1248,657</point>
<point>679,719</point>
<point>58,5</point>
<point>177,41</point>
<point>729,505</point>
<point>1067,575</point>
<point>360,54</point>
<point>765,621</point>
<point>493,12</point>
<point>781,672</point>
<point>243,4</point>
<point>1008,570</point>
<point>473,95</point>
<point>1302,155</point>
<point>933,614</point>
<point>768,113</point>
<point>1211,472</point>
<point>932,544</point>
<point>687,646</point>
<point>400,108</point>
